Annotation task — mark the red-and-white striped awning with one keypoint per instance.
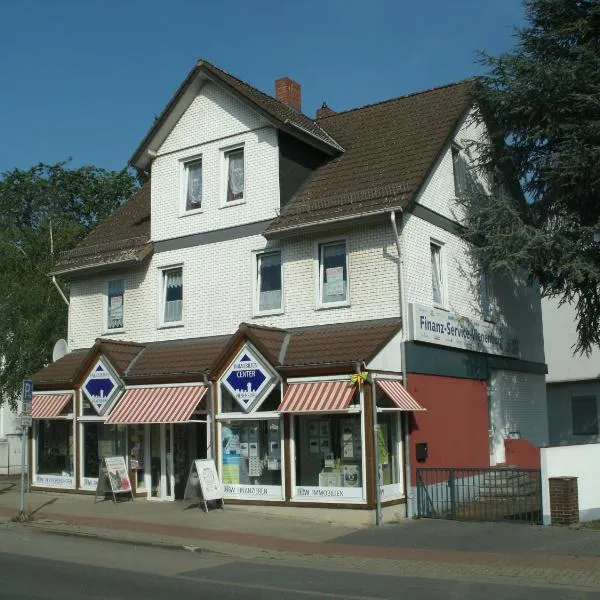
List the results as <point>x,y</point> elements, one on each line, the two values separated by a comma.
<point>397,393</point>
<point>172,404</point>
<point>318,396</point>
<point>49,406</point>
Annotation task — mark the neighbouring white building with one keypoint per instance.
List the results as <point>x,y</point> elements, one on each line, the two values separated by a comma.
<point>232,306</point>
<point>10,441</point>
<point>573,380</point>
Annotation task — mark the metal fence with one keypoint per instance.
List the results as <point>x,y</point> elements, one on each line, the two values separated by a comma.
<point>492,494</point>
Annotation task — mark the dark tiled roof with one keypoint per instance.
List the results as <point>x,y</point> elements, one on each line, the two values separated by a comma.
<point>62,373</point>
<point>339,343</point>
<point>120,354</point>
<point>121,237</point>
<point>179,357</point>
<point>390,149</point>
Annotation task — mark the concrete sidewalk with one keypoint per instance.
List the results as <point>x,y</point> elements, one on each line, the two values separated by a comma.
<point>460,551</point>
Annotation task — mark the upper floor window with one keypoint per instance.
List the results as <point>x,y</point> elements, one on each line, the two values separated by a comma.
<point>172,295</point>
<point>333,273</point>
<point>234,174</point>
<point>463,177</point>
<point>115,304</point>
<point>193,184</point>
<point>585,415</point>
<point>485,294</point>
<point>269,281</point>
<point>437,274</point>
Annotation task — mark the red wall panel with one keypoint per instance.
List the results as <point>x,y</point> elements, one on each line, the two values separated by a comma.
<point>455,425</point>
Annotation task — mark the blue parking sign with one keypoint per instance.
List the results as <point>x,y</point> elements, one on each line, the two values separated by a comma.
<point>27,393</point>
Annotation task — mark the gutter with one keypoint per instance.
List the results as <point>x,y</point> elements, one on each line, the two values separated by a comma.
<point>404,317</point>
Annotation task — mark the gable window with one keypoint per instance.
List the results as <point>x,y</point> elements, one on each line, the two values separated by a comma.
<point>193,185</point>
<point>116,298</point>
<point>463,178</point>
<point>585,415</point>
<point>172,294</point>
<point>268,284</point>
<point>333,273</point>
<point>234,173</point>
<point>437,274</point>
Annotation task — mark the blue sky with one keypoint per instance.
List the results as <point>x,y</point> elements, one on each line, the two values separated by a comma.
<point>85,79</point>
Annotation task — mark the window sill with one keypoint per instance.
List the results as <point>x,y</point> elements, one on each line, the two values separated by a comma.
<point>113,331</point>
<point>226,204</point>
<point>441,307</point>
<point>332,305</point>
<point>268,313</point>
<point>170,325</point>
<point>188,213</point>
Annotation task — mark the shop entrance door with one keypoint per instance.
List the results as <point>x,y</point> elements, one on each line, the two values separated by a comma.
<point>160,440</point>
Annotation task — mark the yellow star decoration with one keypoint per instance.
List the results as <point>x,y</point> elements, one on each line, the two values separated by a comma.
<point>359,378</point>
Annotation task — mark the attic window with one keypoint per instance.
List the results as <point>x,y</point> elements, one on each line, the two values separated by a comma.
<point>193,185</point>
<point>234,173</point>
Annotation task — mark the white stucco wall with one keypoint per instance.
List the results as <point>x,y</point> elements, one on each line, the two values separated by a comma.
<point>560,337</point>
<point>573,461</point>
<point>10,442</point>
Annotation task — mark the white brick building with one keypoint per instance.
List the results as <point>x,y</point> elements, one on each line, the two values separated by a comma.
<point>256,214</point>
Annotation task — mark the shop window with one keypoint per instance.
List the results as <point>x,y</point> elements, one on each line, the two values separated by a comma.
<point>55,448</point>
<point>329,452</point>
<point>115,304</point>
<point>333,274</point>
<point>99,441</point>
<point>585,415</point>
<point>251,453</point>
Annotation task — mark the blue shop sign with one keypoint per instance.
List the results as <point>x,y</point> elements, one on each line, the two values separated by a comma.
<point>100,387</point>
<point>248,379</point>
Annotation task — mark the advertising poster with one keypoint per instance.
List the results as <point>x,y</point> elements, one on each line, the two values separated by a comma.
<point>231,468</point>
<point>117,474</point>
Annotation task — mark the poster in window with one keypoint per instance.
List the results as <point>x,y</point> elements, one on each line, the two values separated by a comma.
<point>313,429</point>
<point>325,447</point>
<point>324,428</point>
<point>243,448</point>
<point>335,281</point>
<point>313,444</point>
<point>116,301</point>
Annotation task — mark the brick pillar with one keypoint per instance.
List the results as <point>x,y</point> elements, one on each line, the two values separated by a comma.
<point>564,500</point>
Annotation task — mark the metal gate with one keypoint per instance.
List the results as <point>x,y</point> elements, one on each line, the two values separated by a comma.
<point>492,494</point>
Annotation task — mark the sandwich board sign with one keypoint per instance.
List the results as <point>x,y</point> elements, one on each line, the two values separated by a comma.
<point>113,478</point>
<point>203,484</point>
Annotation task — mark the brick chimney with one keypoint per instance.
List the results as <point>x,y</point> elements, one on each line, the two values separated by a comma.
<point>324,111</point>
<point>288,92</point>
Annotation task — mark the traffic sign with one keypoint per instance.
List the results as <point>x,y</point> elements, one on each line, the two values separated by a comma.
<point>27,393</point>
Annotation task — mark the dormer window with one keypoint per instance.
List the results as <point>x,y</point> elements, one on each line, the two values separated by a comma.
<point>193,184</point>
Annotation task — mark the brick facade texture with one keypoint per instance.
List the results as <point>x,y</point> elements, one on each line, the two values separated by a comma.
<point>564,500</point>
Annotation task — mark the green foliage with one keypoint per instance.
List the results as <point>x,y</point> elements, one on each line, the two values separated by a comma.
<point>43,211</point>
<point>541,103</point>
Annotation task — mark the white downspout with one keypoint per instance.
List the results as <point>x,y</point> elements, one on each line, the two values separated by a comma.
<point>404,337</point>
<point>62,295</point>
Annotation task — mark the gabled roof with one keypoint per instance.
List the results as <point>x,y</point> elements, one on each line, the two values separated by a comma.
<point>389,150</point>
<point>121,239</point>
<point>278,113</point>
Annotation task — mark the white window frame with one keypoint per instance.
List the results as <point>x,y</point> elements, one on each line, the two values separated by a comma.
<point>184,165</point>
<point>256,283</point>
<point>162,324</point>
<point>107,327</point>
<point>225,175</point>
<point>443,274</point>
<point>319,273</point>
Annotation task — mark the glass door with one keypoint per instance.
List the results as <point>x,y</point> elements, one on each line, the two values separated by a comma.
<point>160,440</point>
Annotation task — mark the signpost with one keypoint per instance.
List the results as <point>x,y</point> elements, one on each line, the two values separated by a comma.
<point>26,398</point>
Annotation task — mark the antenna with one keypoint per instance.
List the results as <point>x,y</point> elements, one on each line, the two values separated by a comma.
<point>60,349</point>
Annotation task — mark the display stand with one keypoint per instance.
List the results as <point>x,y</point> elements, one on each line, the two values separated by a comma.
<point>113,478</point>
<point>203,484</point>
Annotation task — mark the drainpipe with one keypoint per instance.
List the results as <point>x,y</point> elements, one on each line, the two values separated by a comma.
<point>62,295</point>
<point>212,431</point>
<point>404,317</point>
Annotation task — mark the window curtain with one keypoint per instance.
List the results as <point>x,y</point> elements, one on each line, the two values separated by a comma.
<point>269,276</point>
<point>436,273</point>
<point>115,304</point>
<point>173,295</point>
<point>194,190</point>
<point>235,179</point>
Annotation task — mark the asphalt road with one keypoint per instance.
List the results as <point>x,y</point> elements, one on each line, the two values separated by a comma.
<point>36,565</point>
